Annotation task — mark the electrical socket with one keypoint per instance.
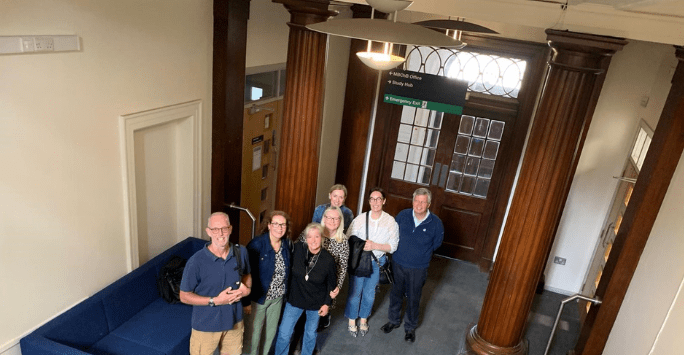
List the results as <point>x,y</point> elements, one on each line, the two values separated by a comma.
<point>558,260</point>
<point>44,44</point>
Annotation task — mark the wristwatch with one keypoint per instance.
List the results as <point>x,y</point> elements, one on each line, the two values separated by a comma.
<point>211,302</point>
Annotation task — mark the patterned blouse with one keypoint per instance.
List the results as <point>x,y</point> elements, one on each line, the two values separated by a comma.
<point>277,287</point>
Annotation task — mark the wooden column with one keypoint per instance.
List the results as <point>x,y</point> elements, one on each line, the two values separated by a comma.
<point>649,191</point>
<point>228,87</point>
<point>302,111</point>
<point>576,74</point>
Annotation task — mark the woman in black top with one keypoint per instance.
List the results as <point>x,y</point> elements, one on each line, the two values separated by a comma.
<point>312,278</point>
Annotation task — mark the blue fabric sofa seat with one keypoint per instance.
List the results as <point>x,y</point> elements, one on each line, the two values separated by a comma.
<point>127,317</point>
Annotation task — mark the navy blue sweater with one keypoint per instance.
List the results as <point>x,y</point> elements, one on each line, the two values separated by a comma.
<point>416,244</point>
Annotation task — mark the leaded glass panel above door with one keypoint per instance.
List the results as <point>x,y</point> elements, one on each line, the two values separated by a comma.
<point>485,73</point>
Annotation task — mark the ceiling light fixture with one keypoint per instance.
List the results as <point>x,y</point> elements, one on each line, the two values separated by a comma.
<point>457,27</point>
<point>387,32</point>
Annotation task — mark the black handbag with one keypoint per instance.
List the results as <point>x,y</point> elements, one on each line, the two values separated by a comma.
<point>360,262</point>
<point>386,274</point>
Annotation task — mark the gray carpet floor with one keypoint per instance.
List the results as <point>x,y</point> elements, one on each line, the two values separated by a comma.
<point>451,302</point>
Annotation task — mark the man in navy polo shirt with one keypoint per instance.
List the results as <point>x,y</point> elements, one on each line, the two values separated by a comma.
<point>420,234</point>
<point>213,286</point>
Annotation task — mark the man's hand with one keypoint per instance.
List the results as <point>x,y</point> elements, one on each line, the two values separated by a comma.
<point>234,295</point>
<point>247,309</point>
<point>334,292</point>
<point>369,245</point>
<point>323,311</point>
<point>224,297</point>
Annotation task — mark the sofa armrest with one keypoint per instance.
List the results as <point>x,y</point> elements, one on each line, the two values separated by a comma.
<point>39,345</point>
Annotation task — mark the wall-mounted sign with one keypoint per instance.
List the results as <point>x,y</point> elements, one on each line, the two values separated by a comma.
<point>428,91</point>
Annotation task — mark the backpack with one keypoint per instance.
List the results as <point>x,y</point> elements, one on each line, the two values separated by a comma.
<point>236,254</point>
<point>169,279</point>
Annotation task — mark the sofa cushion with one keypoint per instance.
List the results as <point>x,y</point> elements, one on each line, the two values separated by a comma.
<point>129,295</point>
<point>160,326</point>
<point>114,345</point>
<point>80,327</point>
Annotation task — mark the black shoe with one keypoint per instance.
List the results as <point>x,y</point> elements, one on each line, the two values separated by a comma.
<point>388,327</point>
<point>410,336</point>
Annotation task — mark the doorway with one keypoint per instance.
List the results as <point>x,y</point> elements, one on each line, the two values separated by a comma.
<point>468,161</point>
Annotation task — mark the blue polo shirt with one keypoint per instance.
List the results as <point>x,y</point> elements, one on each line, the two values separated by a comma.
<point>206,274</point>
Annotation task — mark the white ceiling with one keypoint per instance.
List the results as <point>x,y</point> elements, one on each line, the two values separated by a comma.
<point>668,8</point>
<point>659,21</point>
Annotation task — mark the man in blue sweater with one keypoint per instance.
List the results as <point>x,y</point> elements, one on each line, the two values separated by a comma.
<point>420,234</point>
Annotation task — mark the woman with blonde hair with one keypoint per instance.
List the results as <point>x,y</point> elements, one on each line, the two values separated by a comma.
<point>335,242</point>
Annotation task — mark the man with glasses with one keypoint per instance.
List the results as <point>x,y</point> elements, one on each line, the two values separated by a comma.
<point>217,312</point>
<point>420,234</point>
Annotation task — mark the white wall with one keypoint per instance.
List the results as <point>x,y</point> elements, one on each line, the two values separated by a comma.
<point>62,214</point>
<point>640,69</point>
<point>657,279</point>
<point>267,33</point>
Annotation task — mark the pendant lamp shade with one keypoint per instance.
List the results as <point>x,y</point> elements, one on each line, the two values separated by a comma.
<point>385,31</point>
<point>456,25</point>
<point>389,6</point>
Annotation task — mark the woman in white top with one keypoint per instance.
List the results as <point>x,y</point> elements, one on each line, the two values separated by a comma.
<point>383,238</point>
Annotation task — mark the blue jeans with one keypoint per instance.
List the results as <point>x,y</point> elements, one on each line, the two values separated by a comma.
<point>290,316</point>
<point>362,293</point>
<point>409,282</point>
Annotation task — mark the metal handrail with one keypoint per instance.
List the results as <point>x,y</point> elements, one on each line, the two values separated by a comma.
<point>560,311</point>
<point>232,205</point>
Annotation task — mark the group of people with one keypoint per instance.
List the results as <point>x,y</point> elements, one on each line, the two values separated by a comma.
<point>276,280</point>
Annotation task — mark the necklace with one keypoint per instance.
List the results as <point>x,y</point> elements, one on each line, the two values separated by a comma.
<point>312,264</point>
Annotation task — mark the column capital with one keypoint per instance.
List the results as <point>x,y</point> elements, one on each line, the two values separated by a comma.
<point>307,12</point>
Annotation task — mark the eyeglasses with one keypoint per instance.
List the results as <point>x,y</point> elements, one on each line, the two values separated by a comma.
<point>375,199</point>
<point>332,218</point>
<point>225,230</point>
<point>281,225</point>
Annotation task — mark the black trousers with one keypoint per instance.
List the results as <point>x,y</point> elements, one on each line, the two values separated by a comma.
<point>409,282</point>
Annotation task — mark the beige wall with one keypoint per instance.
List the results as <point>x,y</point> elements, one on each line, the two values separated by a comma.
<point>62,213</point>
<point>653,290</point>
<point>267,33</point>
<point>639,70</point>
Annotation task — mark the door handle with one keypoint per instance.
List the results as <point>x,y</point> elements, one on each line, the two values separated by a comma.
<point>443,177</point>
<point>435,176</point>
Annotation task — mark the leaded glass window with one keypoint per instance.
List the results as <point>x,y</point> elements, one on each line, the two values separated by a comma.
<point>485,73</point>
<point>474,156</point>
<point>414,155</point>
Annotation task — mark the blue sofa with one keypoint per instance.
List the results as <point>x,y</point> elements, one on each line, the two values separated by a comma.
<point>128,317</point>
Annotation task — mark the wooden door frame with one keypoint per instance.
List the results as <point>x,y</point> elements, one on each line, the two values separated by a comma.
<point>536,55</point>
<point>228,87</point>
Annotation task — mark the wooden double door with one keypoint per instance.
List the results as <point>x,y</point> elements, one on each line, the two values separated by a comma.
<point>467,161</point>
<point>463,160</point>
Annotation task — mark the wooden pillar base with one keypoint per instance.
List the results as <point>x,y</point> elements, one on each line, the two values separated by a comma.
<point>475,345</point>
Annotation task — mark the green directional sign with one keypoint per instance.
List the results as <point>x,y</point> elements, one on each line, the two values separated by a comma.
<point>432,92</point>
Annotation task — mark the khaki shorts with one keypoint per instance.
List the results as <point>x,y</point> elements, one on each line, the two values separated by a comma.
<point>229,342</point>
